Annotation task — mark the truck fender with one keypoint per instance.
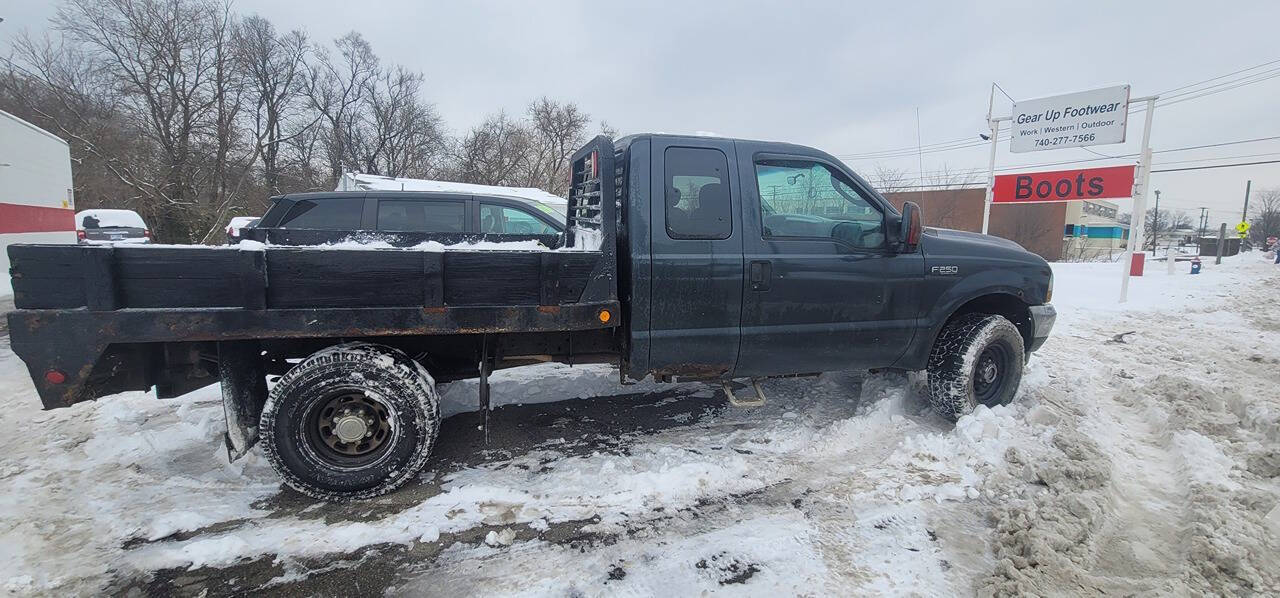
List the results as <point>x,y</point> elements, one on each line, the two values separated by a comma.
<point>988,283</point>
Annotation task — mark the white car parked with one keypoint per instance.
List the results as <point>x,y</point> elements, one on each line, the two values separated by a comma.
<point>107,227</point>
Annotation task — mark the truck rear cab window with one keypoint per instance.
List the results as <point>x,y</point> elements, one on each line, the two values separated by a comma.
<point>697,194</point>
<point>806,199</point>
<point>325,214</point>
<point>506,219</point>
<point>395,215</point>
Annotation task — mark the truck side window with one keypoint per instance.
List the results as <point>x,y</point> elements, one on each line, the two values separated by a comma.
<point>421,216</point>
<point>324,214</point>
<point>697,195</point>
<point>806,199</point>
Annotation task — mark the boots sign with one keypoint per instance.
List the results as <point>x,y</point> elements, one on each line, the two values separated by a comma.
<point>1079,119</point>
<point>1112,182</point>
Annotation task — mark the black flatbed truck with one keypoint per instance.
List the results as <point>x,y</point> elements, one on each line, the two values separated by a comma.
<point>684,258</point>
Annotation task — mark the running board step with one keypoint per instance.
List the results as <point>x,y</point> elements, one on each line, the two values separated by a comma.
<point>756,401</point>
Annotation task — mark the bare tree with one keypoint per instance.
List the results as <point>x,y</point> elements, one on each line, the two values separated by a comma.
<point>227,88</point>
<point>338,88</point>
<point>945,178</point>
<point>557,130</point>
<point>1164,221</point>
<point>170,104</point>
<point>401,135</point>
<point>274,68</point>
<point>494,152</point>
<point>168,61</point>
<point>61,90</point>
<point>889,180</point>
<point>1264,213</point>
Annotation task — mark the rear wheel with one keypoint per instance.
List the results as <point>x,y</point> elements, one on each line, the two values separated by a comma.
<point>976,360</point>
<point>350,422</point>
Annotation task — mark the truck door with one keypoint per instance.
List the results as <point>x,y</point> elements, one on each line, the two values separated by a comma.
<point>696,253</point>
<point>819,270</point>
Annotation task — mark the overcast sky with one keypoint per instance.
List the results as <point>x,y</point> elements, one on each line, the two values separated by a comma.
<point>841,76</point>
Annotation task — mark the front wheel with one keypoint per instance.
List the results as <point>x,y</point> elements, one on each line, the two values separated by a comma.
<point>351,422</point>
<point>976,360</point>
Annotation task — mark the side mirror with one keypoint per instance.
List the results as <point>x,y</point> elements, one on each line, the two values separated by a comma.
<point>910,227</point>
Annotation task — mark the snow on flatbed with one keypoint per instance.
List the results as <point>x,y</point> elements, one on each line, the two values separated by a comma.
<point>1139,463</point>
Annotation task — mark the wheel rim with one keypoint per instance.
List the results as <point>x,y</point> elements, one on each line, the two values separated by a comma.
<point>349,428</point>
<point>990,373</point>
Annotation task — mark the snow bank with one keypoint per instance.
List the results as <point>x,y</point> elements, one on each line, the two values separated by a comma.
<point>1147,466</point>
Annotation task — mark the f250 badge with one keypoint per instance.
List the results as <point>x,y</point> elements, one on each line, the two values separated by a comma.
<point>944,270</point>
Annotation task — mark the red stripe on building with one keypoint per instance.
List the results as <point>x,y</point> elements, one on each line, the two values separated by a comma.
<point>19,218</point>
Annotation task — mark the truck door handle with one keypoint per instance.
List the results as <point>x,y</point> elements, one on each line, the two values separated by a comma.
<point>761,273</point>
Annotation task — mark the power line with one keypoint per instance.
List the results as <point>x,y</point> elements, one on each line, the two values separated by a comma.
<point>1268,63</point>
<point>1191,147</point>
<point>1218,158</point>
<point>928,148</point>
<point>1216,166</point>
<point>1165,100</point>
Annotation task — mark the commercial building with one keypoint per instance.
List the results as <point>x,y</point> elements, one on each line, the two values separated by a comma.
<point>36,201</point>
<point>1071,230</point>
<point>1092,231</point>
<point>1038,227</point>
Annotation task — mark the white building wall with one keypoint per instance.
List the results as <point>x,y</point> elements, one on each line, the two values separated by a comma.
<point>35,189</point>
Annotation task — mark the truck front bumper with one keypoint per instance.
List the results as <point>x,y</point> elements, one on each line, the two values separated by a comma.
<point>1042,319</point>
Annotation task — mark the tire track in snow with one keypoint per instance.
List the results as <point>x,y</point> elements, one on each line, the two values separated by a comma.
<point>1173,509</point>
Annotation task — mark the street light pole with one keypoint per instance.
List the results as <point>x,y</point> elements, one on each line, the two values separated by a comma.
<point>994,126</point>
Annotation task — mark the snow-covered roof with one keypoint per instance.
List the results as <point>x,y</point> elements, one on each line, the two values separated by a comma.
<point>353,181</point>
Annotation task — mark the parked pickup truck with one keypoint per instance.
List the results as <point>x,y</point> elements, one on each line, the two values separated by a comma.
<point>683,258</point>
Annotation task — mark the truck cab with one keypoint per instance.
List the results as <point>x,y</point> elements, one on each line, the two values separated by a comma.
<point>751,259</point>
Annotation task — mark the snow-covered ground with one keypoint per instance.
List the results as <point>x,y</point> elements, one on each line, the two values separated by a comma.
<point>1142,463</point>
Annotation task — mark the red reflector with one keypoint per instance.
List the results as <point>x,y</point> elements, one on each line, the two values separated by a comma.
<point>55,377</point>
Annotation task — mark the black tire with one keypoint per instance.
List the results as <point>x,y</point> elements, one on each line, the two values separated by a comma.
<point>351,422</point>
<point>976,360</point>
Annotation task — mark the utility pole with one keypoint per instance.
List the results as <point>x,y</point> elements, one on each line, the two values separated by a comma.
<point>1245,216</point>
<point>1155,224</point>
<point>1222,238</point>
<point>1204,220</point>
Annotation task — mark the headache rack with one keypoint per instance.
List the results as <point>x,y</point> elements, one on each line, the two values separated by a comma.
<point>592,220</point>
